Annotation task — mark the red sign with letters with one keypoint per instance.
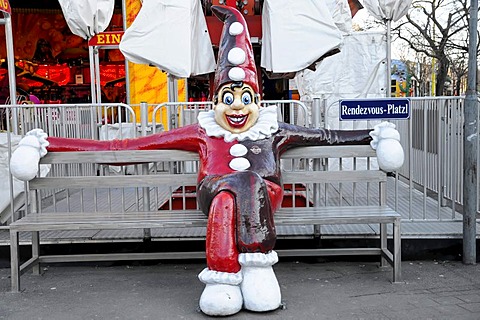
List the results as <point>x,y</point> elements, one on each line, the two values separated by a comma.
<point>111,38</point>
<point>5,6</point>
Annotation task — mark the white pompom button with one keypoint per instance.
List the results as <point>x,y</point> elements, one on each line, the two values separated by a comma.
<point>236,74</point>
<point>239,164</point>
<point>238,150</point>
<point>235,29</point>
<point>236,56</point>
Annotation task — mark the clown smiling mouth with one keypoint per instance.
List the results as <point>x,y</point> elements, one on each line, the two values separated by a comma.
<point>237,120</point>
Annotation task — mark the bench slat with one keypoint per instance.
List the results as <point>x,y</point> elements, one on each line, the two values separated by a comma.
<point>93,221</point>
<point>330,152</point>
<point>336,210</point>
<point>120,181</point>
<point>124,156</point>
<point>334,176</point>
<point>176,218</point>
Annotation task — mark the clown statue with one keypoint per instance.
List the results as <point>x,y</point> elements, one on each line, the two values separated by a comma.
<point>239,180</point>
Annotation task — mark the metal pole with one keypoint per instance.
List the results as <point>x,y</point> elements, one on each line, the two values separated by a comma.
<point>12,79</point>
<point>147,234</point>
<point>172,88</point>
<point>389,58</point>
<point>470,143</point>
<point>144,117</point>
<point>127,70</point>
<point>98,87</point>
<point>316,111</point>
<point>92,75</point>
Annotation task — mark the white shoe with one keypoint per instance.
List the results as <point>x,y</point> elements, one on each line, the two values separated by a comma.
<point>222,295</point>
<point>260,288</point>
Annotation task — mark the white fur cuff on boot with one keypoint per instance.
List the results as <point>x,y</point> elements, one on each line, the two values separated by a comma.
<point>222,295</point>
<point>260,288</point>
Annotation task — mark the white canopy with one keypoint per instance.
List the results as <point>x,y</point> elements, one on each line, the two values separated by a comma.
<point>341,14</point>
<point>387,9</point>
<point>295,36</point>
<point>86,18</point>
<point>358,71</point>
<point>171,35</point>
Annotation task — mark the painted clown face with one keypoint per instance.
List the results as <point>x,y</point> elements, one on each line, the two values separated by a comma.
<point>236,109</point>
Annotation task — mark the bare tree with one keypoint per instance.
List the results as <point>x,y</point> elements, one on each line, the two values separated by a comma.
<point>458,70</point>
<point>433,28</point>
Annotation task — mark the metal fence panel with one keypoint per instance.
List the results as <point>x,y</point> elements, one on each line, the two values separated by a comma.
<point>433,142</point>
<point>432,139</point>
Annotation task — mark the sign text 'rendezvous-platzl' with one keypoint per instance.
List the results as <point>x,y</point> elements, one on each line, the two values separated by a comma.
<point>363,109</point>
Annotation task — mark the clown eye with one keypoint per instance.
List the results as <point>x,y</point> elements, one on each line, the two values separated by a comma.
<point>246,98</point>
<point>228,98</point>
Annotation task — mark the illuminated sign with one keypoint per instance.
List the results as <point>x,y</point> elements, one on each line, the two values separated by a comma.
<point>112,38</point>
<point>5,6</point>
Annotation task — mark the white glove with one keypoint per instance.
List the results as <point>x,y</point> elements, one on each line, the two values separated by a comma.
<point>386,141</point>
<point>25,159</point>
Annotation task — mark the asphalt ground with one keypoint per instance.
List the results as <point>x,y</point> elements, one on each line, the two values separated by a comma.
<point>311,289</point>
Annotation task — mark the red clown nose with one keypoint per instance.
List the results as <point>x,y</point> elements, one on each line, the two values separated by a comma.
<point>235,54</point>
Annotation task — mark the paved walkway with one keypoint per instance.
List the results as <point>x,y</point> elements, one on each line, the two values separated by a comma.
<point>320,290</point>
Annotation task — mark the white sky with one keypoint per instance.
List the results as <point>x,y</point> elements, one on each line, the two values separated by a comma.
<point>360,19</point>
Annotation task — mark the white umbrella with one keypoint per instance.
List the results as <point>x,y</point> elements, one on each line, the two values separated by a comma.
<point>296,36</point>
<point>171,35</point>
<point>388,11</point>
<point>86,18</point>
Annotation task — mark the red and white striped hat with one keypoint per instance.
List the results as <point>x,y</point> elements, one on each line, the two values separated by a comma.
<point>235,56</point>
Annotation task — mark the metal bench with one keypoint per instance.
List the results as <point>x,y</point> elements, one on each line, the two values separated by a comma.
<point>131,200</point>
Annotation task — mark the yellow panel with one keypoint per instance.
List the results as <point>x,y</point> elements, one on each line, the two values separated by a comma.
<point>148,84</point>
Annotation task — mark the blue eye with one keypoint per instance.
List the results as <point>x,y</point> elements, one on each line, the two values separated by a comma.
<point>246,98</point>
<point>228,98</point>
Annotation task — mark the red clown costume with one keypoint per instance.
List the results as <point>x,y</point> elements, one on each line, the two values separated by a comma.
<point>239,180</point>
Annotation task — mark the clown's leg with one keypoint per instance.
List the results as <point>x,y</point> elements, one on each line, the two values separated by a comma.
<point>222,295</point>
<point>256,238</point>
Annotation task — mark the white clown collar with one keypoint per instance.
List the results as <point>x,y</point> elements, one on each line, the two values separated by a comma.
<point>265,126</point>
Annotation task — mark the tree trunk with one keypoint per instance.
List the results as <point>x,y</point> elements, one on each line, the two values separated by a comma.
<point>442,73</point>
<point>458,83</point>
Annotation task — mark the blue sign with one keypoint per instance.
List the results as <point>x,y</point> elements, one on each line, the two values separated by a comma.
<point>363,109</point>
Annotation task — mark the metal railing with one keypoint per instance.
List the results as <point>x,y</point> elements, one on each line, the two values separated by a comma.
<point>178,114</point>
<point>433,143</point>
<point>66,120</point>
<point>428,187</point>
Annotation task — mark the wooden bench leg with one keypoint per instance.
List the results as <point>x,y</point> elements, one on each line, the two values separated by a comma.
<point>383,244</point>
<point>317,231</point>
<point>14,261</point>
<point>36,251</point>
<point>397,252</point>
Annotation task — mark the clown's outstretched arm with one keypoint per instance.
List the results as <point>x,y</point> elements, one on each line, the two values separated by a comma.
<point>386,141</point>
<point>36,144</point>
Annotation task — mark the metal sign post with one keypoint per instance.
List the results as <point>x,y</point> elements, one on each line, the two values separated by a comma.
<point>102,40</point>
<point>12,81</point>
<point>470,145</point>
